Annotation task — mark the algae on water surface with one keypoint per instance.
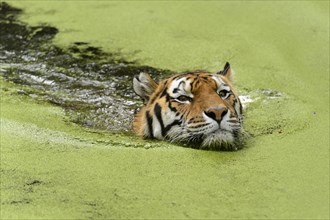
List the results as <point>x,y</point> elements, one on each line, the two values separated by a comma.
<point>92,85</point>
<point>52,168</point>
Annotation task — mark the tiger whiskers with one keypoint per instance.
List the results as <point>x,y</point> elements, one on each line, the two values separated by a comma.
<point>197,109</point>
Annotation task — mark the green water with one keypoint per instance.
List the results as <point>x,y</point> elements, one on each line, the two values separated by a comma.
<point>53,168</point>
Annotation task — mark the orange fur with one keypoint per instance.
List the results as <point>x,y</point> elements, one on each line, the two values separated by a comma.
<point>189,101</point>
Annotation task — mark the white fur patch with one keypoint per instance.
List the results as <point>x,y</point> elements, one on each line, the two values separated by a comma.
<point>157,131</point>
<point>182,86</point>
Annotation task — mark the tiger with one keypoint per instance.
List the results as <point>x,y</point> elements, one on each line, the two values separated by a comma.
<point>199,109</point>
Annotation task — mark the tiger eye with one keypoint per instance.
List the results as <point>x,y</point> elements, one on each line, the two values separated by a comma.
<point>196,109</point>
<point>223,93</point>
<point>183,98</point>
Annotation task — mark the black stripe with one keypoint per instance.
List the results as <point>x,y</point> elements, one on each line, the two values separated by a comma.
<point>178,77</point>
<point>182,82</point>
<point>165,83</point>
<point>240,107</point>
<point>151,101</point>
<point>163,93</point>
<point>173,109</point>
<point>137,77</point>
<point>168,127</point>
<point>236,133</point>
<point>235,101</point>
<point>149,120</point>
<point>192,86</point>
<point>158,113</point>
<point>168,98</point>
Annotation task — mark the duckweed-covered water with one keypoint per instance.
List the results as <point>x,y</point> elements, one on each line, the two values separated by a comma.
<point>81,56</point>
<point>94,86</point>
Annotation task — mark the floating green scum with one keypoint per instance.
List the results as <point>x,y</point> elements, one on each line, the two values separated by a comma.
<point>66,66</point>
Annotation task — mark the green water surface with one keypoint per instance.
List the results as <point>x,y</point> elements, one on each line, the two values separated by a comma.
<point>52,168</point>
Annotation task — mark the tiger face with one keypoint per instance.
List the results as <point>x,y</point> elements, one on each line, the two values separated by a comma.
<point>198,108</point>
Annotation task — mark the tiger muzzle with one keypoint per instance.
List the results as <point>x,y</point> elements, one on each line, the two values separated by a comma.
<point>216,113</point>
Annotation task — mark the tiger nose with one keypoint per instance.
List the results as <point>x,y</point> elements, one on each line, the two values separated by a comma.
<point>216,113</point>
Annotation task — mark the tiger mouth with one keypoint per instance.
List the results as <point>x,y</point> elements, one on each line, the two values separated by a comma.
<point>222,139</point>
<point>219,130</point>
<point>219,139</point>
<point>221,135</point>
<point>196,109</point>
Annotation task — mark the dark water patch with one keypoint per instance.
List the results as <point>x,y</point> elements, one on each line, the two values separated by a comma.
<point>21,202</point>
<point>34,183</point>
<point>92,85</point>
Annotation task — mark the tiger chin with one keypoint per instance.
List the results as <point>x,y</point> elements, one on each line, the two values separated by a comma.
<point>197,109</point>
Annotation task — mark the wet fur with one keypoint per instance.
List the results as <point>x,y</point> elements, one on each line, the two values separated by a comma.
<point>190,108</point>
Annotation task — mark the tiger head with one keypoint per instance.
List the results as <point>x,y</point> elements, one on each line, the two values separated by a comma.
<point>198,108</point>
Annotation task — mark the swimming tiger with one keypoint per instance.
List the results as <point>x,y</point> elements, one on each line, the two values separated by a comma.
<point>197,108</point>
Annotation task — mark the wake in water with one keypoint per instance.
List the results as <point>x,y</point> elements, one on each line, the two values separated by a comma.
<point>92,85</point>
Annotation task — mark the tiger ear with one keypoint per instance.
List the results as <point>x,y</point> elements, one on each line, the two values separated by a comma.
<point>144,86</point>
<point>226,72</point>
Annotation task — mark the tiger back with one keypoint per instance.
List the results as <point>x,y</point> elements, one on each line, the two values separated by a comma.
<point>200,109</point>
